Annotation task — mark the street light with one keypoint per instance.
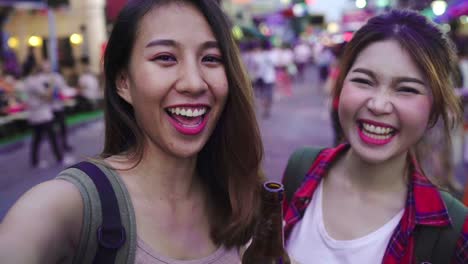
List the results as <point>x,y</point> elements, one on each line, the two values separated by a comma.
<point>76,39</point>
<point>35,41</point>
<point>298,10</point>
<point>438,7</point>
<point>464,19</point>
<point>361,3</point>
<point>13,42</point>
<point>333,27</point>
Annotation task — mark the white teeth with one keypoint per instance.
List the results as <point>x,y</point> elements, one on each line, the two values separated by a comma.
<point>374,136</point>
<point>376,130</point>
<point>189,112</point>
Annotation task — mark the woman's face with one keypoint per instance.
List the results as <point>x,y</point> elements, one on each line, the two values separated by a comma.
<point>385,102</point>
<point>176,81</point>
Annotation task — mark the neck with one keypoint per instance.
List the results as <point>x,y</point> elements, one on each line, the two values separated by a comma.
<point>389,176</point>
<point>164,176</point>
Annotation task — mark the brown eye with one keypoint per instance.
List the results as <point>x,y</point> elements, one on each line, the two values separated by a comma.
<point>362,81</point>
<point>212,59</point>
<point>164,57</point>
<point>408,90</point>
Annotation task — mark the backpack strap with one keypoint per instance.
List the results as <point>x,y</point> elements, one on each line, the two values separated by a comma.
<point>298,165</point>
<point>436,245</point>
<point>111,233</point>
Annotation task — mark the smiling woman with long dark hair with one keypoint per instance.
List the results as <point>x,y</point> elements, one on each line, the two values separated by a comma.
<point>182,152</point>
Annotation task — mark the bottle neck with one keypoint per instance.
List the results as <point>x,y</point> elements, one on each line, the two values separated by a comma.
<point>269,231</point>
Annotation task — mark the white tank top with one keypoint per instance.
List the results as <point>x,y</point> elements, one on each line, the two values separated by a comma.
<point>310,243</point>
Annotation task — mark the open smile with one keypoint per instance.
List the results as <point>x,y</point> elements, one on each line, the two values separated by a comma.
<point>375,133</point>
<point>188,119</point>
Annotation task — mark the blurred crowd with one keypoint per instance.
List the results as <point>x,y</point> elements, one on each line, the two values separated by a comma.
<point>40,99</point>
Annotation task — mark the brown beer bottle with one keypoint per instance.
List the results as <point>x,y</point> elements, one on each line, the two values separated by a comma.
<point>267,245</point>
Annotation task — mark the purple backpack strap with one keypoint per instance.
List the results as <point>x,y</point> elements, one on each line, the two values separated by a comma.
<point>111,233</point>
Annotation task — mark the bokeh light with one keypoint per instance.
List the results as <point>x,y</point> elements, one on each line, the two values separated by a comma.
<point>76,39</point>
<point>237,32</point>
<point>13,42</point>
<point>35,41</point>
<point>333,27</point>
<point>439,7</point>
<point>299,10</point>
<point>361,3</point>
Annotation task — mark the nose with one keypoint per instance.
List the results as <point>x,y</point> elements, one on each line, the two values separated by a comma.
<point>380,103</point>
<point>191,79</point>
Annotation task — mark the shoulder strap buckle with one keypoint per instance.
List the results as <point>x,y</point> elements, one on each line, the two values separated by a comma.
<point>111,237</point>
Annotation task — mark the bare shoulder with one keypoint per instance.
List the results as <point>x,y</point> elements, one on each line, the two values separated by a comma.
<point>43,225</point>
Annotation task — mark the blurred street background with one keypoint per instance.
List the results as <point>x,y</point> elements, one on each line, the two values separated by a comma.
<point>291,49</point>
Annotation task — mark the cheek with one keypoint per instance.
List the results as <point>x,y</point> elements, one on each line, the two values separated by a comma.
<point>350,100</point>
<point>219,84</point>
<point>150,87</point>
<point>416,113</point>
<point>223,92</point>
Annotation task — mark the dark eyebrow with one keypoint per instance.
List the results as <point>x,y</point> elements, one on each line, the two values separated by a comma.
<point>397,79</point>
<point>161,42</point>
<point>169,42</point>
<point>409,79</point>
<point>365,71</point>
<point>209,45</point>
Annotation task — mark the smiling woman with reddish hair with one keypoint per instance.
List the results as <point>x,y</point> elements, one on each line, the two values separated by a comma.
<point>368,200</point>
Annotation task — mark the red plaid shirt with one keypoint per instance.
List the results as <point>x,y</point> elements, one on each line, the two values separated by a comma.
<point>424,206</point>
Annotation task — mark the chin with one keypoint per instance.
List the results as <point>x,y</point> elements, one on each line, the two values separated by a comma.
<point>187,151</point>
<point>371,159</point>
<point>375,156</point>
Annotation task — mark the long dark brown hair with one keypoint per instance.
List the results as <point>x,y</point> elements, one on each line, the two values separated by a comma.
<point>431,50</point>
<point>229,163</point>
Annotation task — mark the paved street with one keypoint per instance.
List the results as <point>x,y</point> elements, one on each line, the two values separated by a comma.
<point>300,119</point>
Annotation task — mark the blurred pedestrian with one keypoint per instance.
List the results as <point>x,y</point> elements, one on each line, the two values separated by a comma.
<point>40,115</point>
<point>302,58</point>
<point>58,85</point>
<point>283,58</point>
<point>182,152</point>
<point>463,67</point>
<point>266,76</point>
<point>323,59</point>
<point>90,93</point>
<point>369,201</point>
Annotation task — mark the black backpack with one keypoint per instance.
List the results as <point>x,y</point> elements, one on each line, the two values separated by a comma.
<point>433,245</point>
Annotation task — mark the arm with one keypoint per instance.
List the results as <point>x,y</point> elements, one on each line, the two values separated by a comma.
<point>43,226</point>
<point>37,89</point>
<point>46,94</point>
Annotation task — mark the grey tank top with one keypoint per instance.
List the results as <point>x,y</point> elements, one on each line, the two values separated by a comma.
<point>92,215</point>
<point>146,255</point>
<point>134,251</point>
